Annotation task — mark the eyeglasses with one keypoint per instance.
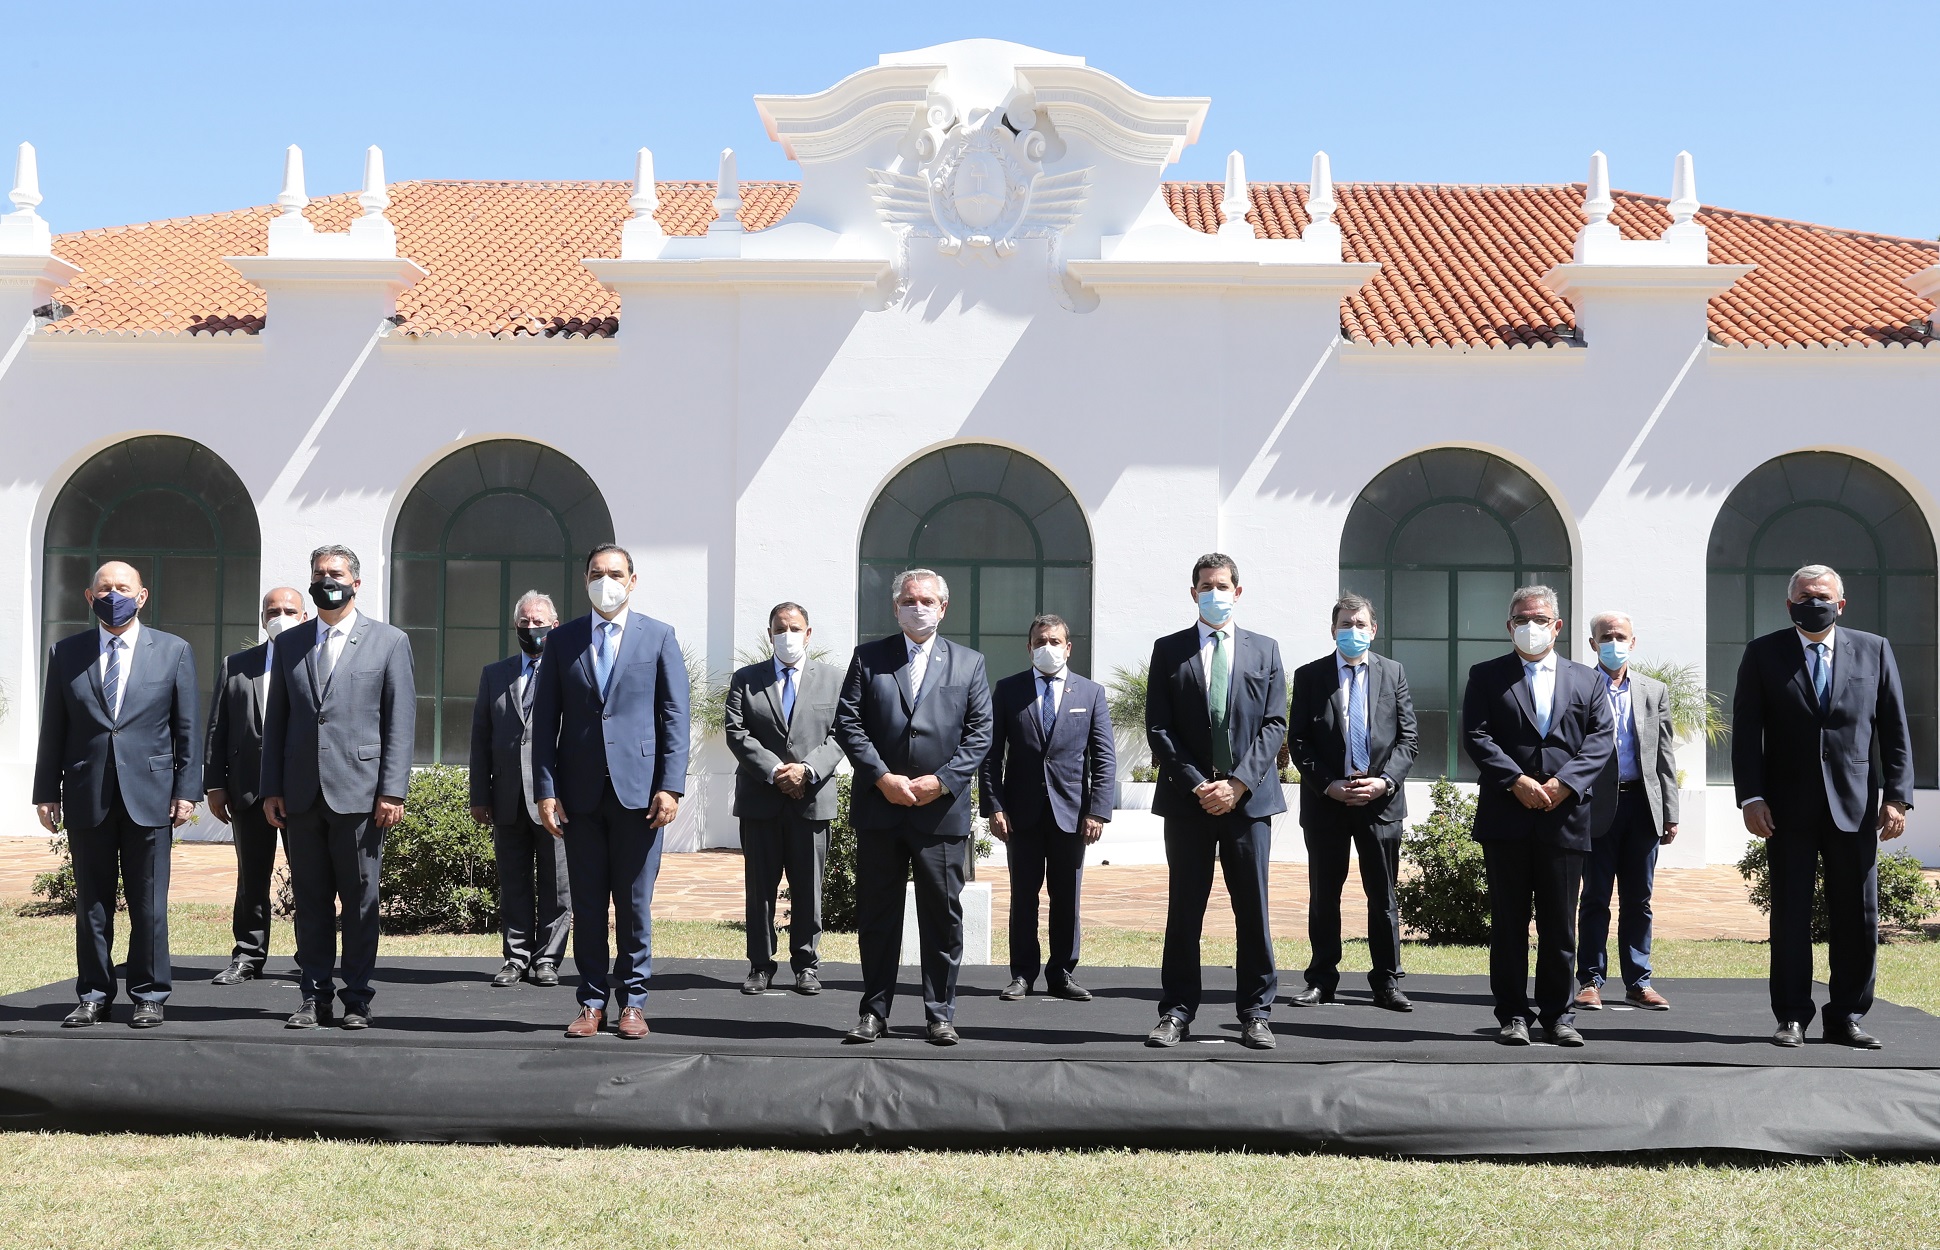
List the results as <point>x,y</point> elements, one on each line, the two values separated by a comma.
<point>1532,620</point>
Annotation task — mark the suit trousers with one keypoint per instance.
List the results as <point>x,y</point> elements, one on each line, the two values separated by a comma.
<point>1522,871</point>
<point>1378,847</point>
<point>788,844</point>
<point>1044,856</point>
<point>1806,843</point>
<point>612,855</point>
<point>255,840</point>
<point>335,858</point>
<point>533,923</point>
<point>1623,856</point>
<point>884,860</point>
<point>139,856</point>
<point>1241,844</point>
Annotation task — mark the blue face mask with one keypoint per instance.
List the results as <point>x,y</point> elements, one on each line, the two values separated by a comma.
<point>116,609</point>
<point>1216,607</point>
<point>1353,643</point>
<point>1612,655</point>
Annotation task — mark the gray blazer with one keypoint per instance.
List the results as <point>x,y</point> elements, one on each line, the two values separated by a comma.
<point>501,759</point>
<point>233,759</point>
<point>350,741</point>
<point>761,740</point>
<point>1650,709</point>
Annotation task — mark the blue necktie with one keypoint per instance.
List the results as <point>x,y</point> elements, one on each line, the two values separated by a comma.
<point>1357,718</point>
<point>788,696</point>
<point>111,680</point>
<point>531,681</point>
<point>1047,708</point>
<point>1536,698</point>
<point>603,656</point>
<point>1822,676</point>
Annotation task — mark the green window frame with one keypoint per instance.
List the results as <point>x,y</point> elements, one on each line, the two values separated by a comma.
<point>1438,541</point>
<point>178,513</point>
<point>1824,507</point>
<point>1002,529</point>
<point>484,525</point>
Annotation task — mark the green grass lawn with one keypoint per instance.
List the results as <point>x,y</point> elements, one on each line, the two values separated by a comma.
<point>203,1191</point>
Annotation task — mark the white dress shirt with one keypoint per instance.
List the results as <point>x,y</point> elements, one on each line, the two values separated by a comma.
<point>919,663</point>
<point>782,681</point>
<point>128,639</point>
<point>1831,641</point>
<point>1542,685</point>
<point>332,637</point>
<point>1057,692</point>
<point>1206,641</point>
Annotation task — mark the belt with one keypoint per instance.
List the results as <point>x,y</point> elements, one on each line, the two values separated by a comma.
<point>1625,787</point>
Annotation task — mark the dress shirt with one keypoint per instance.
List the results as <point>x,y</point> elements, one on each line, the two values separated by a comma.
<point>919,663</point>
<point>1629,767</point>
<point>129,638</point>
<point>1542,684</point>
<point>334,636</point>
<point>619,628</point>
<point>1831,641</point>
<point>1206,652</point>
<point>781,680</point>
<point>1348,673</point>
<point>1057,691</point>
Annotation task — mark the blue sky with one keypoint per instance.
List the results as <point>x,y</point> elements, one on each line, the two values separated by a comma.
<point>1820,112</point>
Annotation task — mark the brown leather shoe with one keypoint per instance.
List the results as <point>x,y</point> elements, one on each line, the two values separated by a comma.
<point>1587,999</point>
<point>587,1023</point>
<point>633,1023</point>
<point>1647,998</point>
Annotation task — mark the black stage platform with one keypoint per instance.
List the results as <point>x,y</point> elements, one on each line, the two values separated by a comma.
<point>452,1059</point>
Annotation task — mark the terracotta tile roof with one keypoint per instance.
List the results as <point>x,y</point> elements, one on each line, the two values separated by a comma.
<point>1461,265</point>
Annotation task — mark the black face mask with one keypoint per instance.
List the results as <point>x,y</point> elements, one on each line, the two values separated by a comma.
<point>532,638</point>
<point>329,594</point>
<point>1814,616</point>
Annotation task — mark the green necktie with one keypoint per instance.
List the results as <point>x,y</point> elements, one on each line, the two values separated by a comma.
<point>1216,683</point>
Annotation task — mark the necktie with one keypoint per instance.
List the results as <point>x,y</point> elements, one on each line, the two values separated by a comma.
<point>526,683</point>
<point>603,656</point>
<point>1357,718</point>
<point>788,696</point>
<point>1217,683</point>
<point>111,679</point>
<point>326,658</point>
<point>1538,698</point>
<point>1822,676</point>
<point>919,667</point>
<point>1047,708</point>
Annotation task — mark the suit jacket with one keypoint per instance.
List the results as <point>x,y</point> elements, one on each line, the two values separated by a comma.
<point>885,728</point>
<point>1178,723</point>
<point>233,760</point>
<point>1499,730</point>
<point>1650,711</point>
<point>150,752</point>
<point>501,759</point>
<point>762,741</point>
<point>1317,736</point>
<point>1785,752</point>
<point>351,740</point>
<point>634,732</point>
<point>1067,775</point>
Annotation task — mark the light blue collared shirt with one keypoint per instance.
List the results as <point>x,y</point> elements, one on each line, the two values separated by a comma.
<point>1629,767</point>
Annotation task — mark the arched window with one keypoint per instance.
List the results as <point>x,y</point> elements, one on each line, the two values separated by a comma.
<point>1438,542</point>
<point>1821,507</point>
<point>1005,533</point>
<point>180,515</point>
<point>485,525</point>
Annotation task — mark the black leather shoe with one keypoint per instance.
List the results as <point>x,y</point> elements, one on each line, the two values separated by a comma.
<point>1312,996</point>
<point>147,1016</point>
<point>238,971</point>
<point>943,1033</point>
<point>757,982</point>
<point>546,974</point>
<point>870,1027</point>
<point>85,1014</point>
<point>509,974</point>
<point>356,1018</point>
<point>1561,1034</point>
<point>1848,1033</point>
<point>1018,988</point>
<point>1389,998</point>
<point>1071,990</point>
<point>312,1014</point>
<point>1789,1034</point>
<point>1256,1035</point>
<point>1170,1031</point>
<point>806,982</point>
<point>1514,1033</point>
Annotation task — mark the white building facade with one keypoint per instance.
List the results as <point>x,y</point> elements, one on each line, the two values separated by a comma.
<point>983,334</point>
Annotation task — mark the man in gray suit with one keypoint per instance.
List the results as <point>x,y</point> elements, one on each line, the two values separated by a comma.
<point>337,740</point>
<point>1633,811</point>
<point>232,768</point>
<point>780,719</point>
<point>533,923</point>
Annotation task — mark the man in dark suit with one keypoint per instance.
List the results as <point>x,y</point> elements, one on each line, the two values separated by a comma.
<point>1216,716</point>
<point>609,764</point>
<point>1633,810</point>
<point>120,763</point>
<point>781,728</point>
<point>914,720</point>
<point>232,769</point>
<point>533,919</point>
<point>338,732</point>
<point>1818,730</point>
<point>1048,786</point>
<point>1352,733</point>
<point>1538,728</point>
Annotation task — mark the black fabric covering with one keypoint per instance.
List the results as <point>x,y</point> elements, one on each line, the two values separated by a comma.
<point>450,1058</point>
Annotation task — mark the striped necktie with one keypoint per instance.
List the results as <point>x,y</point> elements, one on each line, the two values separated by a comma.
<point>111,679</point>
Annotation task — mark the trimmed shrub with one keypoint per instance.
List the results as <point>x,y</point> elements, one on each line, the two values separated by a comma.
<point>55,893</point>
<point>440,872</point>
<point>838,881</point>
<point>1446,898</point>
<point>1906,897</point>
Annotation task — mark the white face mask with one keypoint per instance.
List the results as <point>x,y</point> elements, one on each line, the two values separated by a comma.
<point>277,624</point>
<point>1049,660</point>
<point>919,620</point>
<point>1534,639</point>
<point>609,594</point>
<point>790,647</point>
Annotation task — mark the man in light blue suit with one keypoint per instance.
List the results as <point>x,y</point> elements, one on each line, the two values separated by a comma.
<point>609,764</point>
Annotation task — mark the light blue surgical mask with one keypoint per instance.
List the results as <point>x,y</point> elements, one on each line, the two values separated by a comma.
<point>1353,643</point>
<point>1216,607</point>
<point>1612,655</point>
